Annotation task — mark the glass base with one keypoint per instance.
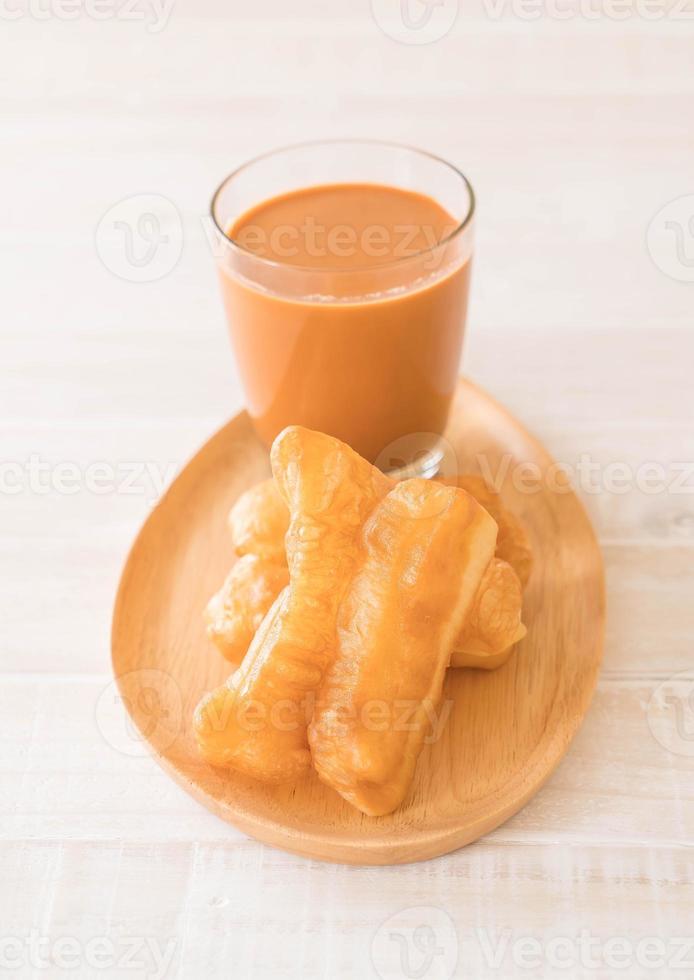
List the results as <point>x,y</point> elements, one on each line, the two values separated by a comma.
<point>418,455</point>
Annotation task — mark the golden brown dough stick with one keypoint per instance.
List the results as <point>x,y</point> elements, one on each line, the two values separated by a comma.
<point>257,721</point>
<point>492,629</point>
<point>235,612</point>
<point>512,543</point>
<point>258,522</point>
<point>493,626</point>
<point>425,550</point>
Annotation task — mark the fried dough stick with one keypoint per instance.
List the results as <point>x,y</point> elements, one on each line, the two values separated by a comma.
<point>259,516</point>
<point>259,519</point>
<point>256,722</point>
<point>493,625</point>
<point>424,549</point>
<point>512,545</point>
<point>235,612</point>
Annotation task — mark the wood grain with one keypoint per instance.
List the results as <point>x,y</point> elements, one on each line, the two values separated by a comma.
<point>187,894</point>
<point>506,731</point>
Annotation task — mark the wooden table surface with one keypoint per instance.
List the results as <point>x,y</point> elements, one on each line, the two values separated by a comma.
<point>576,129</point>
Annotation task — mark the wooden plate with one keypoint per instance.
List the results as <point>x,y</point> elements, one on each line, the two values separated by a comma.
<point>507,729</point>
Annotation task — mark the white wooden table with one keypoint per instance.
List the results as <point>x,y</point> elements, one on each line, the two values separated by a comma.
<point>576,131</point>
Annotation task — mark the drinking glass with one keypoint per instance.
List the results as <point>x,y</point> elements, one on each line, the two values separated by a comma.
<point>366,352</point>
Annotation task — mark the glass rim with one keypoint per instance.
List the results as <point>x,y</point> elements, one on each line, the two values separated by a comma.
<point>306,144</point>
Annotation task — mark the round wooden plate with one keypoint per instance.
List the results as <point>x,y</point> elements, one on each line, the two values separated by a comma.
<point>507,729</point>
